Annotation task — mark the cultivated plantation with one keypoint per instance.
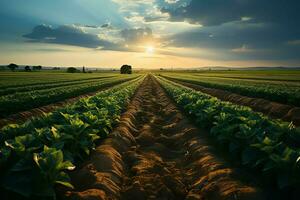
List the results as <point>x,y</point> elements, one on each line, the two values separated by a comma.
<point>204,135</point>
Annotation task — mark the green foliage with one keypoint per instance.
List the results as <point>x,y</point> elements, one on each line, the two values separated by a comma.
<point>126,69</point>
<point>27,69</point>
<point>12,66</point>
<point>45,95</point>
<point>72,70</point>
<point>36,155</point>
<point>278,91</point>
<point>271,147</point>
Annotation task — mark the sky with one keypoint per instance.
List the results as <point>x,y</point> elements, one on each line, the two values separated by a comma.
<point>150,33</point>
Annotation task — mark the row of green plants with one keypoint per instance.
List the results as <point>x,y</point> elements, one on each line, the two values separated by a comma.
<point>278,93</point>
<point>43,86</point>
<point>35,156</point>
<point>270,147</point>
<point>17,102</point>
<point>23,79</point>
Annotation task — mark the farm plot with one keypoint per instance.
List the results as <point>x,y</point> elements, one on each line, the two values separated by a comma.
<point>285,92</point>
<point>269,147</point>
<point>21,79</point>
<point>272,109</point>
<point>33,96</point>
<point>155,153</point>
<point>269,75</point>
<point>36,155</point>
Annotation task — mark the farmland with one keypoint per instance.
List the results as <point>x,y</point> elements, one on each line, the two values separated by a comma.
<point>283,89</point>
<point>22,92</point>
<point>150,136</point>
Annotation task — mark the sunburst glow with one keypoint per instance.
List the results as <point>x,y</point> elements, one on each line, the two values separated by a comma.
<point>149,49</point>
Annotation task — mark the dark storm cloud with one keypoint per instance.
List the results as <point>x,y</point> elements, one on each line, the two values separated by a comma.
<point>216,12</point>
<point>68,35</point>
<point>252,29</point>
<point>244,40</point>
<point>234,34</point>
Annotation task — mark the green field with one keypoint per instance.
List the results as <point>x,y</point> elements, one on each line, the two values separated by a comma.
<point>279,86</point>
<point>271,146</point>
<point>151,125</point>
<point>22,91</point>
<point>59,140</point>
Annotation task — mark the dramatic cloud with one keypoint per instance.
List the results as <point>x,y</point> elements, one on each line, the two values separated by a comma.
<point>66,34</point>
<point>104,37</point>
<point>253,29</point>
<point>215,30</point>
<point>244,40</point>
<point>216,12</point>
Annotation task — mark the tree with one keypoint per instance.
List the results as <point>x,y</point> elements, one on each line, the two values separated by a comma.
<point>12,66</point>
<point>27,69</point>
<point>83,69</point>
<point>72,70</point>
<point>39,67</point>
<point>126,69</point>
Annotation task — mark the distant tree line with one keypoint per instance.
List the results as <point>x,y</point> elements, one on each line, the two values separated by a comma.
<point>75,70</point>
<point>125,69</point>
<point>13,67</point>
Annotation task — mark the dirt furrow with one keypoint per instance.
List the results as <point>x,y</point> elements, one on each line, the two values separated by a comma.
<point>155,153</point>
<point>273,109</point>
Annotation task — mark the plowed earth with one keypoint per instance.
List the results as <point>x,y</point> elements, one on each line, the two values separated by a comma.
<point>155,153</point>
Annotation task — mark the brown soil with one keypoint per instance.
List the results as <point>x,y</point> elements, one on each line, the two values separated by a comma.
<point>155,153</point>
<point>35,112</point>
<point>272,109</point>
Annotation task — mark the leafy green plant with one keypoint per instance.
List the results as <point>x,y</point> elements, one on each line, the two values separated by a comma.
<point>20,101</point>
<point>268,146</point>
<point>278,92</point>
<point>36,155</point>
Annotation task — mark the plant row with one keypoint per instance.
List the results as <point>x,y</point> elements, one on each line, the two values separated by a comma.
<point>35,156</point>
<point>278,93</point>
<point>22,79</point>
<point>17,102</point>
<point>42,86</point>
<point>271,147</point>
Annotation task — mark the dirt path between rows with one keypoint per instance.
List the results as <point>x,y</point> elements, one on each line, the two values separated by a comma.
<point>272,109</point>
<point>23,116</point>
<point>155,153</point>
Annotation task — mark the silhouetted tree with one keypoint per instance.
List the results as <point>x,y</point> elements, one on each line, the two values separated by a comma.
<point>27,69</point>
<point>83,69</point>
<point>72,70</point>
<point>126,69</point>
<point>12,66</point>
<point>39,67</point>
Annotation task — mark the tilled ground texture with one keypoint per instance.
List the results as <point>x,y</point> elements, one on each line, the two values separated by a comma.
<point>155,153</point>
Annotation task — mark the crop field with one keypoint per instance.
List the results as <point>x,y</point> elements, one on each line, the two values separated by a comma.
<point>21,92</point>
<point>283,89</point>
<point>151,135</point>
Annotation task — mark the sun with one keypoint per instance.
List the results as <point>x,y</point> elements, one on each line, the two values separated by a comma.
<point>149,49</point>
